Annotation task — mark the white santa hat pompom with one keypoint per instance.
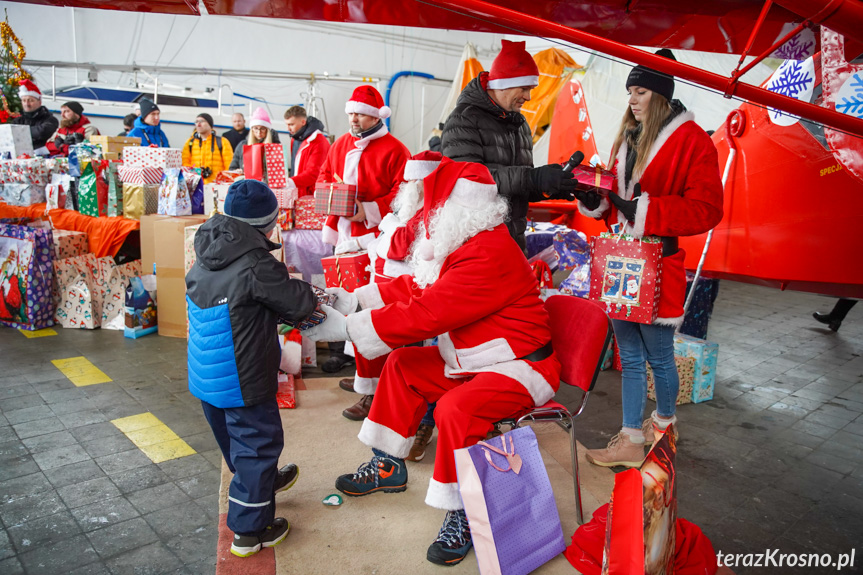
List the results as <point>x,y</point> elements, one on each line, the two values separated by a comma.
<point>425,250</point>
<point>292,356</point>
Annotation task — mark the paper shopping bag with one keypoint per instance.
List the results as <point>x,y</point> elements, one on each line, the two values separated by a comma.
<point>509,503</point>
<point>26,277</point>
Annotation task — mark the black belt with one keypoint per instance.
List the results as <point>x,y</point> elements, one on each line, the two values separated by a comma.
<point>542,353</point>
<point>669,246</point>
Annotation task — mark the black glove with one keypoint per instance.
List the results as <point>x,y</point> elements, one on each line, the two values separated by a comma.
<point>59,141</point>
<point>75,138</point>
<point>625,207</point>
<point>552,182</point>
<point>591,200</point>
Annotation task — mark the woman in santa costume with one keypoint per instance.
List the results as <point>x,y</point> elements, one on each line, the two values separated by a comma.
<point>494,357</point>
<point>373,160</point>
<point>668,185</point>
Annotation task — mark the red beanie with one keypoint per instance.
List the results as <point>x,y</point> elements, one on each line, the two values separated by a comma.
<point>512,68</point>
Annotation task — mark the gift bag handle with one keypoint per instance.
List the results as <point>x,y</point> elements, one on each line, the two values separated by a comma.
<point>513,461</point>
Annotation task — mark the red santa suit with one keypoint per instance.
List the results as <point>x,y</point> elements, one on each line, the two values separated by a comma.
<point>310,157</point>
<point>681,195</point>
<point>493,358</point>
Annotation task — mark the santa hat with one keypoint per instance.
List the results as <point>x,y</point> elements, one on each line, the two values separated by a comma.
<point>368,101</point>
<point>28,88</point>
<point>421,165</point>
<point>512,68</point>
<point>466,183</point>
<point>261,118</point>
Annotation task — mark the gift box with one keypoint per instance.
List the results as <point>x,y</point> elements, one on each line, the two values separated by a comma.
<point>701,307</point>
<point>69,244</point>
<point>26,277</point>
<point>115,190</point>
<point>318,316</point>
<point>305,217</point>
<point>335,199</point>
<point>140,200</point>
<point>348,271</point>
<point>572,248</point>
<point>285,397</point>
<point>23,194</point>
<point>130,175</point>
<point>34,171</point>
<point>705,353</point>
<point>140,316</point>
<point>540,235</point>
<point>15,140</point>
<point>145,157</point>
<point>113,144</point>
<point>592,179</point>
<point>625,275</point>
<point>686,375</point>
<point>173,195</point>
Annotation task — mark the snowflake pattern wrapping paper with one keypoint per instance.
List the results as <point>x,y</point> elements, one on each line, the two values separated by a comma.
<point>625,275</point>
<point>349,271</point>
<point>798,47</point>
<point>795,80</point>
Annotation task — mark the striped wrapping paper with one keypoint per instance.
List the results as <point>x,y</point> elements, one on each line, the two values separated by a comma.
<point>129,175</point>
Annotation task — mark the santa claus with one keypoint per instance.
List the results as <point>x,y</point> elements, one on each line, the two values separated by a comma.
<point>494,357</point>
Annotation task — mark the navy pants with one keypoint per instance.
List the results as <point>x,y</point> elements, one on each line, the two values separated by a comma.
<point>251,440</point>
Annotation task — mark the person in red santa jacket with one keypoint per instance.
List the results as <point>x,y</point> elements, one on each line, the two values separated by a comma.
<point>494,357</point>
<point>74,128</point>
<point>668,185</point>
<point>373,160</point>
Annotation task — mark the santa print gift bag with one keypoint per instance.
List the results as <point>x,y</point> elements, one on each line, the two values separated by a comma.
<point>624,276</point>
<point>509,503</point>
<point>173,195</point>
<point>26,277</point>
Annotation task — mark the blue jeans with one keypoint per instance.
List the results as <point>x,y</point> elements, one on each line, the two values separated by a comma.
<point>654,343</point>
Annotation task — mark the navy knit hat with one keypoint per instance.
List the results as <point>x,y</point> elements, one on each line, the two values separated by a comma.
<point>252,202</point>
<point>654,81</point>
<point>147,106</point>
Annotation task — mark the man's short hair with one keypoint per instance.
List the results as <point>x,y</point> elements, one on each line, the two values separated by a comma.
<point>129,119</point>
<point>295,112</point>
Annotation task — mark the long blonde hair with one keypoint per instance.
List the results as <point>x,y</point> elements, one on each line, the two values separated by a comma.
<point>267,140</point>
<point>658,110</point>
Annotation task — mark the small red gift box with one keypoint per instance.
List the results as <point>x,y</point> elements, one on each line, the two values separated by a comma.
<point>305,217</point>
<point>336,199</point>
<point>349,271</point>
<point>593,179</point>
<point>624,276</point>
<point>285,397</point>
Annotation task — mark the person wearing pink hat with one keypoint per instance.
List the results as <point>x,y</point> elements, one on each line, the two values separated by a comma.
<point>260,132</point>
<point>487,126</point>
<point>373,160</point>
<point>42,123</point>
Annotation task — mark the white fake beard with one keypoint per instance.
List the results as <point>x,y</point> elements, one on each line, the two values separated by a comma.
<point>408,200</point>
<point>450,227</point>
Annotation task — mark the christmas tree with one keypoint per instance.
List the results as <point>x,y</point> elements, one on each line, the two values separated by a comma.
<point>12,55</point>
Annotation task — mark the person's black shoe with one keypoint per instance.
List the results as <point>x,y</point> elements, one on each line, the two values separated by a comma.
<point>336,363</point>
<point>827,318</point>
<point>453,542</point>
<point>246,545</point>
<point>286,477</point>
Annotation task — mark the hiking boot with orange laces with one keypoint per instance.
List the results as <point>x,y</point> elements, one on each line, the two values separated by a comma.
<point>621,451</point>
<point>383,473</point>
<point>421,441</point>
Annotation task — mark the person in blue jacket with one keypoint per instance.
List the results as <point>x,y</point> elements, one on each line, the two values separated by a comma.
<point>147,126</point>
<point>237,293</point>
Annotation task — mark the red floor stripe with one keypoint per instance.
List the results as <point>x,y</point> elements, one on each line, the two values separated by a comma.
<point>261,563</point>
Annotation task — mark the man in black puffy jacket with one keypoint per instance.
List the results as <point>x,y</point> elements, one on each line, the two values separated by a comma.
<point>42,122</point>
<point>487,127</point>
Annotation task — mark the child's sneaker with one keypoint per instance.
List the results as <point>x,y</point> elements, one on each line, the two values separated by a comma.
<point>453,542</point>
<point>286,477</point>
<point>383,473</point>
<point>246,545</point>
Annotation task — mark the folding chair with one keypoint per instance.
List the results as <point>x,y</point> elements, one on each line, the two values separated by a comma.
<point>580,333</point>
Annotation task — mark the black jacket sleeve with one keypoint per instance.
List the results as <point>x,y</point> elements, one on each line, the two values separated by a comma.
<point>42,130</point>
<point>290,298</point>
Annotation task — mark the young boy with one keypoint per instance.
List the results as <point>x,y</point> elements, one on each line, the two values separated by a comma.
<point>237,292</point>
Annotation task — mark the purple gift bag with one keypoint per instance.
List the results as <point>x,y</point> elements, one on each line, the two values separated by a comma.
<point>26,277</point>
<point>509,503</point>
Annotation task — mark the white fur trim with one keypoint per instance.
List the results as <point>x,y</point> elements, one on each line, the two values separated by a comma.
<point>425,249</point>
<point>369,296</point>
<point>472,194</point>
<point>257,122</point>
<point>389,224</point>
<point>377,436</point>
<point>396,268</point>
<point>292,356</point>
<point>373,214</point>
<point>627,192</point>
<point>446,349</point>
<point>444,496</point>
<point>24,92</point>
<point>353,107</point>
<point>640,215</point>
<point>604,204</point>
<point>366,339</point>
<point>517,82</point>
<point>329,236</point>
<point>487,353</point>
<point>521,371</point>
<point>365,385</point>
<point>670,321</point>
<point>365,240</point>
<point>419,169</point>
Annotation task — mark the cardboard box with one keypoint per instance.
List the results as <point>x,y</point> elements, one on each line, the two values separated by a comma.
<point>114,140</point>
<point>148,242</point>
<point>114,156</point>
<point>169,234</point>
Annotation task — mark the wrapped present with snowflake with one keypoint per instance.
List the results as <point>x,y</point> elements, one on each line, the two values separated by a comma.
<point>625,275</point>
<point>348,271</point>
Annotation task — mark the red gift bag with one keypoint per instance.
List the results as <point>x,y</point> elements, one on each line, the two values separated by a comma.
<point>274,164</point>
<point>625,275</point>
<point>253,162</point>
<point>349,271</point>
<point>335,199</point>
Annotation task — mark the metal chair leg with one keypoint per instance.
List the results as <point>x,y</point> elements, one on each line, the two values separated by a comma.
<point>576,480</point>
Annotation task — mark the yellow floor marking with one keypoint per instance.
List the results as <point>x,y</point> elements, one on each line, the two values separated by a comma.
<point>80,371</point>
<point>153,437</point>
<point>38,333</point>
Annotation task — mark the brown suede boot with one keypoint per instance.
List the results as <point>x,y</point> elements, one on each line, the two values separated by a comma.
<point>421,441</point>
<point>360,410</point>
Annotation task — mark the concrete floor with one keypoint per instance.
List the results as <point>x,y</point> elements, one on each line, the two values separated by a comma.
<point>773,461</point>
